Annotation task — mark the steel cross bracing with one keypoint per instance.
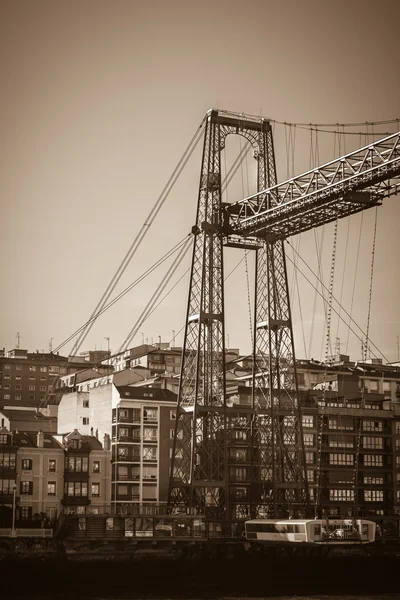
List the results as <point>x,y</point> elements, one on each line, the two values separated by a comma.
<point>337,189</point>
<point>231,461</point>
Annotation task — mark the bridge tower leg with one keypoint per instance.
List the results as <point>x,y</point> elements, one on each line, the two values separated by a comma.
<point>233,462</point>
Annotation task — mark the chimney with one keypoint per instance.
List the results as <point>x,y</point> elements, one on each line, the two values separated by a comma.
<point>40,439</point>
<point>106,442</point>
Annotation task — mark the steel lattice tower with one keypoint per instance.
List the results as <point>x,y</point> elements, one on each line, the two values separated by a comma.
<point>233,461</point>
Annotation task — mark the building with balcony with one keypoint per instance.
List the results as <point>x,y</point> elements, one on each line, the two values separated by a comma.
<point>86,473</point>
<point>143,428</point>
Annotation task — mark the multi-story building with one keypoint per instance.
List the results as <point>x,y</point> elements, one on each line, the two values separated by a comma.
<point>27,378</point>
<point>143,429</point>
<point>40,474</point>
<point>87,470</point>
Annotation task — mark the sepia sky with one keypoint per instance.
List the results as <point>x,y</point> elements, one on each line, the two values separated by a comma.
<point>99,100</point>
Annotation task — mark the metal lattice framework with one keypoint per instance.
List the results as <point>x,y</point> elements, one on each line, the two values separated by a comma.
<point>344,186</point>
<point>230,462</point>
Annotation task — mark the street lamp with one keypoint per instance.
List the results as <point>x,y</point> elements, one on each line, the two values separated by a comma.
<point>13,532</point>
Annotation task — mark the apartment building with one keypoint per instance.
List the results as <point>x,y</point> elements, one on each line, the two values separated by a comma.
<point>27,378</point>
<point>87,472</point>
<point>40,475</point>
<point>143,428</point>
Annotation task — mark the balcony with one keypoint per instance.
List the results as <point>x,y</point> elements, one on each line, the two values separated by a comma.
<point>133,458</point>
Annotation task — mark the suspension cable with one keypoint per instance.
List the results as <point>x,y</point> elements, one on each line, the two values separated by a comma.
<point>370,285</point>
<point>336,312</point>
<point>124,292</point>
<point>142,233</point>
<point>337,302</point>
<point>160,288</point>
<point>355,277</point>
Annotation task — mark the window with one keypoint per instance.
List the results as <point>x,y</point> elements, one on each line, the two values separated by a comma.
<point>341,459</point>
<point>82,524</point>
<point>373,480</point>
<point>96,466</point>
<point>310,476</point>
<point>373,460</point>
<point>7,386</point>
<point>18,378</point>
<point>345,424</point>
<point>18,397</point>
<point>341,495</point>
<point>32,368</point>
<point>27,464</point>
<point>25,513</point>
<point>308,439</point>
<point>43,379</point>
<point>150,434</point>
<point>6,396</point>
<point>238,473</point>
<point>96,490</point>
<point>289,421</point>
<point>7,486</point>
<point>32,388</point>
<point>310,458</point>
<point>341,443</point>
<point>397,461</point>
<point>26,488</point>
<point>43,369</point>
<point>373,495</point>
<point>172,415</point>
<point>7,367</point>
<point>3,438</point>
<point>18,387</point>
<point>76,488</point>
<point>373,426</point>
<point>32,378</point>
<point>178,453</point>
<point>52,464</point>
<point>149,453</point>
<point>172,434</point>
<point>150,414</point>
<point>373,385</point>
<point>86,404</point>
<point>7,460</point>
<point>397,427</point>
<point>85,421</point>
<point>386,386</point>
<point>51,488</point>
<point>308,421</point>
<point>42,388</point>
<point>398,444</point>
<point>123,413</point>
<point>77,464</point>
<point>373,443</point>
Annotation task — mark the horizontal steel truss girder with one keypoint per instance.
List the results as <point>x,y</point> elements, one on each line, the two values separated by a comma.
<point>337,189</point>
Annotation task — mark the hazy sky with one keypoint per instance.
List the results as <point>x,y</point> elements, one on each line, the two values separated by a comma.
<point>99,100</point>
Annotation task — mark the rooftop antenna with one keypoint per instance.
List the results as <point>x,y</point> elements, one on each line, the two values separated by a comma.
<point>228,340</point>
<point>337,346</point>
<point>142,338</point>
<point>18,339</point>
<point>51,345</point>
<point>108,344</point>
<point>173,338</point>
